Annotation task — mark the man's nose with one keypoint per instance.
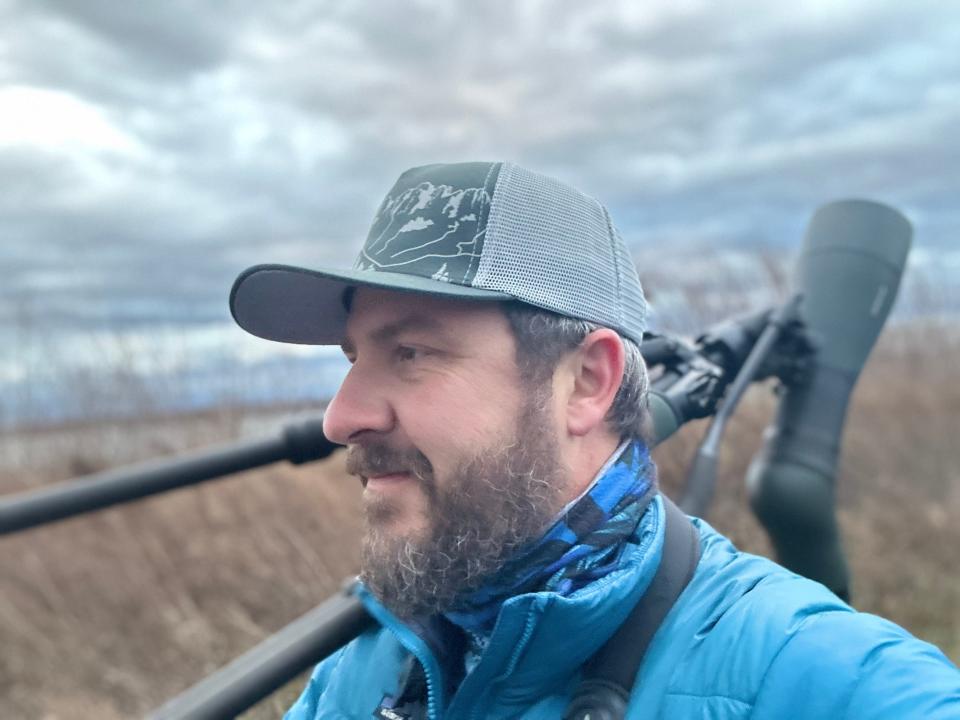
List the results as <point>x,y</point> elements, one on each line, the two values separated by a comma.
<point>359,406</point>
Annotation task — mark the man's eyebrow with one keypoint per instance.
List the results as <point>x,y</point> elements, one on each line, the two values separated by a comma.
<point>414,321</point>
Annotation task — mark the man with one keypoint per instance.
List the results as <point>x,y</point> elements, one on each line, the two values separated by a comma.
<point>494,412</point>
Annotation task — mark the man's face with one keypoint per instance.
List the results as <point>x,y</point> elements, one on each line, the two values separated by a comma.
<point>458,457</point>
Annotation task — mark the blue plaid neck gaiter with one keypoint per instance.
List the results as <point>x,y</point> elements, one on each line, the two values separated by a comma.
<point>585,543</point>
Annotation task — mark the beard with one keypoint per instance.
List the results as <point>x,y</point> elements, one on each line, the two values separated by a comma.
<point>496,501</point>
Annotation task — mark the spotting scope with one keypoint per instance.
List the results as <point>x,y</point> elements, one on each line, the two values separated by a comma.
<point>848,275</point>
<point>844,285</point>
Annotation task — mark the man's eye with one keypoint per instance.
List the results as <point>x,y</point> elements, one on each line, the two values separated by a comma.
<point>406,353</point>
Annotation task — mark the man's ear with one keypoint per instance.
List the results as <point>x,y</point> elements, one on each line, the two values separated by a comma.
<point>597,367</point>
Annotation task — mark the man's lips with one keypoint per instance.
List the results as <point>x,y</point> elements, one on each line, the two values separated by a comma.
<point>385,479</point>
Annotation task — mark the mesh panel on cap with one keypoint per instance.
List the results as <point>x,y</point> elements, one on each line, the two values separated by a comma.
<point>633,304</point>
<point>553,247</point>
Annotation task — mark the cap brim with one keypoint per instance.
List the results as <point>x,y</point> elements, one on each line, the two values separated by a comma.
<point>296,305</point>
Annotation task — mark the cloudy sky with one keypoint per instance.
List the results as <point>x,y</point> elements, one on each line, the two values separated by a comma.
<point>150,151</point>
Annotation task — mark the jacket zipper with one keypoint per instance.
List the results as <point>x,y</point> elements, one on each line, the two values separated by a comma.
<point>414,644</point>
<point>532,619</point>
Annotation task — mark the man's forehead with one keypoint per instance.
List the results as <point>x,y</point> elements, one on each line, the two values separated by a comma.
<point>379,314</point>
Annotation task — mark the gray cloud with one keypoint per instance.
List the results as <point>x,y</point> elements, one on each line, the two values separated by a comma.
<point>246,132</point>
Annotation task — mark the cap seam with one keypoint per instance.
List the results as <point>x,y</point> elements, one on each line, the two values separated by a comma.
<point>475,260</point>
<point>611,238</point>
<point>505,169</point>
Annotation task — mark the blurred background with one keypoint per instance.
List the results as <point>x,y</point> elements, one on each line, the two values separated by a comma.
<point>149,153</point>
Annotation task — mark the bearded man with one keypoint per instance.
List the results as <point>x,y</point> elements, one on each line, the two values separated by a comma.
<point>495,413</point>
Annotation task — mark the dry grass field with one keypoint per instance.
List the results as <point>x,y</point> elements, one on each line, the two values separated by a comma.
<point>108,615</point>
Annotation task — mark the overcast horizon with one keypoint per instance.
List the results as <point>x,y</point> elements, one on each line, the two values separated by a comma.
<point>151,152</point>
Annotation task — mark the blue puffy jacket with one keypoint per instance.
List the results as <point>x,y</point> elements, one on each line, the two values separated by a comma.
<point>746,639</point>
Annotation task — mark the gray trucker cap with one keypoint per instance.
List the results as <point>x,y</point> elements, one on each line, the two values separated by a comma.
<point>473,231</point>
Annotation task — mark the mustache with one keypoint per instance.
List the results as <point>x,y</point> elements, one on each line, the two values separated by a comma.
<point>378,458</point>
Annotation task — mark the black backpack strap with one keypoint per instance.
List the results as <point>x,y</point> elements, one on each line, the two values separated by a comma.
<point>609,675</point>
